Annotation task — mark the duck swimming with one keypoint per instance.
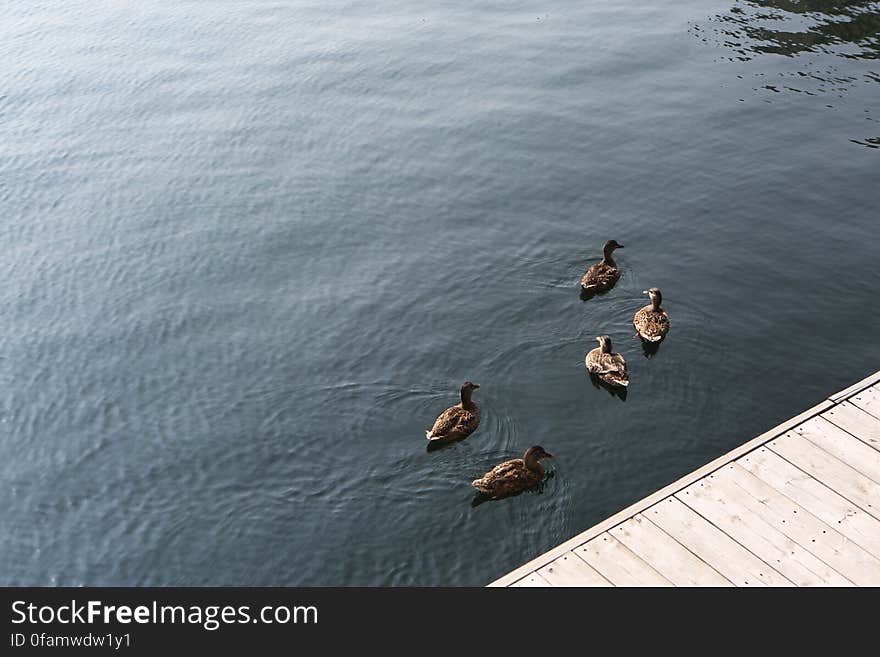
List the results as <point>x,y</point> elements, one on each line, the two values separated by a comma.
<point>604,274</point>
<point>458,421</point>
<point>513,476</point>
<point>608,366</point>
<point>652,322</point>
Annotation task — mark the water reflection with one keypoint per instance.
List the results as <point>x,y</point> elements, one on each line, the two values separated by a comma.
<point>613,390</point>
<point>436,445</point>
<point>601,287</point>
<point>586,295</point>
<point>650,349</point>
<point>870,142</point>
<point>847,29</point>
<point>831,47</point>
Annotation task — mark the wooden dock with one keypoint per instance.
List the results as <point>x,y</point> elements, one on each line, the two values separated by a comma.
<point>797,506</point>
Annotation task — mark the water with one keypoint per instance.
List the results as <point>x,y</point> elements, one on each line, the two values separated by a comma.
<point>251,250</point>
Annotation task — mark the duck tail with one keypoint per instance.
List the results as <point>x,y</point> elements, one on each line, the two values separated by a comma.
<point>617,379</point>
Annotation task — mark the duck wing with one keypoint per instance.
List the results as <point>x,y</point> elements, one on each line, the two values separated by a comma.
<point>454,422</point>
<point>598,362</point>
<point>608,367</point>
<point>600,276</point>
<point>652,325</point>
<point>505,478</point>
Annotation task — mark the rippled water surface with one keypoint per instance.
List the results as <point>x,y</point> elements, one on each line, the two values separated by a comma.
<point>251,249</point>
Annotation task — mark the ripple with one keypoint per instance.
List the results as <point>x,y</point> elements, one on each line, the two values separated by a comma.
<point>752,28</point>
<point>246,269</point>
<point>826,52</point>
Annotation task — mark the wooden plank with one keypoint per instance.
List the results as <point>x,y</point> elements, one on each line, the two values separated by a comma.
<point>817,537</point>
<point>618,564</point>
<point>869,381</point>
<point>831,471</point>
<point>532,580</point>
<point>868,400</point>
<point>761,538</point>
<point>837,442</point>
<point>815,497</point>
<point>843,468</point>
<point>639,506</point>
<point>666,555</point>
<point>854,420</point>
<point>712,545</point>
<point>571,570</point>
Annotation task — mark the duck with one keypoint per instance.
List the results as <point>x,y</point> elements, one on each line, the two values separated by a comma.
<point>604,274</point>
<point>513,476</point>
<point>456,422</point>
<point>652,322</point>
<point>607,365</point>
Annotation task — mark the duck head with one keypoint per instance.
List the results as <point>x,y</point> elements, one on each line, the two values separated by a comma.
<point>656,296</point>
<point>466,389</point>
<point>604,343</point>
<point>609,247</point>
<point>533,456</point>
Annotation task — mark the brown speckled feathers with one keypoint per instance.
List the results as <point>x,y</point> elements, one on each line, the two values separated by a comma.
<point>652,325</point>
<point>600,277</point>
<point>455,423</point>
<point>508,478</point>
<point>611,368</point>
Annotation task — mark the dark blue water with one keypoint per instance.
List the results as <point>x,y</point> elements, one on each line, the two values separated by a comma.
<point>251,249</point>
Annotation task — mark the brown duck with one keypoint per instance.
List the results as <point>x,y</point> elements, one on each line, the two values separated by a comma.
<point>458,421</point>
<point>605,364</point>
<point>513,476</point>
<point>604,274</point>
<point>652,322</point>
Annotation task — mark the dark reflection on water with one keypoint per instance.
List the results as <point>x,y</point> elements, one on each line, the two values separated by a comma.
<point>613,390</point>
<point>845,29</point>
<point>870,142</point>
<point>831,47</point>
<point>586,295</point>
<point>650,349</point>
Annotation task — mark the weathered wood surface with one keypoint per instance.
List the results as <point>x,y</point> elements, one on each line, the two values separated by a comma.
<point>571,570</point>
<point>798,505</point>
